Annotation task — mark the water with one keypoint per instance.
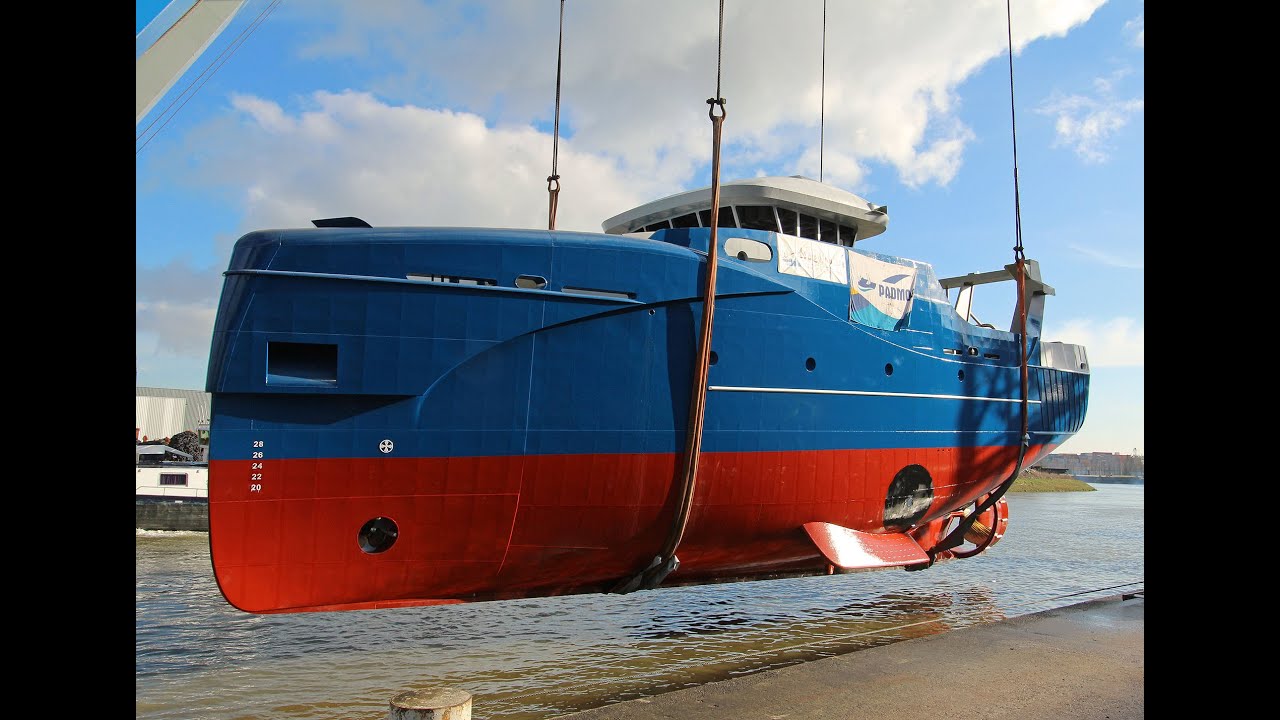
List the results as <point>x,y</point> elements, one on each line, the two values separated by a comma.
<point>197,657</point>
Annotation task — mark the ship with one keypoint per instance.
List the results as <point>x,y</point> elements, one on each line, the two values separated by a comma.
<point>407,416</point>
<point>171,490</point>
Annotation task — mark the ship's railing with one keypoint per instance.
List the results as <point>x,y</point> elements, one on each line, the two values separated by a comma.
<point>167,491</point>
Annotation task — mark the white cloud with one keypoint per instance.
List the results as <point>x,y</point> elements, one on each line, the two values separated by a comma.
<point>265,113</point>
<point>892,71</point>
<point>1107,85</point>
<point>167,328</point>
<point>1106,258</point>
<point>177,281</point>
<point>940,162</point>
<point>352,154</point>
<point>1137,28</point>
<point>1086,124</point>
<point>1118,341</point>
<point>174,310</point>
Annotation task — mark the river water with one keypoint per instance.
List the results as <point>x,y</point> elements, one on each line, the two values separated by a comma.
<point>198,657</point>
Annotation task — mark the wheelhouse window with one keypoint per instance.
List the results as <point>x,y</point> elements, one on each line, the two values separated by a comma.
<point>726,218</point>
<point>757,217</point>
<point>173,479</point>
<point>766,217</point>
<point>827,232</point>
<point>788,219</point>
<point>808,227</point>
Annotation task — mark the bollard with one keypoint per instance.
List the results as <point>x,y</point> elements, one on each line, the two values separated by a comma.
<point>436,703</point>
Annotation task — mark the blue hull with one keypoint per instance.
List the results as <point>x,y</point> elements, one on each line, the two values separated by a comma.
<point>510,405</point>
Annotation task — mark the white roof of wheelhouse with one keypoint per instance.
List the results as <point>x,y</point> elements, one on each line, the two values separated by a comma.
<point>793,193</point>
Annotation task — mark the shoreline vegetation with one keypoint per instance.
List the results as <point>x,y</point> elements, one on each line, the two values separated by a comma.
<point>1032,480</point>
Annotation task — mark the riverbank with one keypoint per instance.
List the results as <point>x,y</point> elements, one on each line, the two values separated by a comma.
<point>1039,481</point>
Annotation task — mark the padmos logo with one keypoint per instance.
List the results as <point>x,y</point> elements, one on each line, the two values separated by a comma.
<point>883,304</point>
<point>886,288</point>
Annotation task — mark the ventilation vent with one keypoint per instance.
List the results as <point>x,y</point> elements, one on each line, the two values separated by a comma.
<point>343,222</point>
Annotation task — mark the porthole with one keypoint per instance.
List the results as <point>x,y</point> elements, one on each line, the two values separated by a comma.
<point>960,375</point>
<point>810,364</point>
<point>888,368</point>
<point>378,535</point>
<point>531,282</point>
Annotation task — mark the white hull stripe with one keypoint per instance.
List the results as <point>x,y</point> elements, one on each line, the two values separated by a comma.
<point>812,391</point>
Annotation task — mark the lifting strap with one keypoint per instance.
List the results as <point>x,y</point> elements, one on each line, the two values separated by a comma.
<point>553,180</point>
<point>956,537</point>
<point>666,561</point>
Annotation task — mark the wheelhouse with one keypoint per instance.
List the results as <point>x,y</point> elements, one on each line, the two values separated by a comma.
<point>794,206</point>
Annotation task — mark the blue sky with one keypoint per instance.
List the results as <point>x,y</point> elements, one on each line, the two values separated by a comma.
<point>406,112</point>
<point>147,10</point>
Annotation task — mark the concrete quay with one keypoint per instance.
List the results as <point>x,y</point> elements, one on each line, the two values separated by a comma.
<point>1080,661</point>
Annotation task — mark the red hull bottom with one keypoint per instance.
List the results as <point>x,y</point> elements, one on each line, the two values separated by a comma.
<point>285,538</point>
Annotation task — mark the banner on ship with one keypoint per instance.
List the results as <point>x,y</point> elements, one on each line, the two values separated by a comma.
<point>880,293</point>
<point>811,259</point>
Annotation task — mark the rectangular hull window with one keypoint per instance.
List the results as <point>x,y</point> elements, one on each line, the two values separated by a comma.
<point>302,363</point>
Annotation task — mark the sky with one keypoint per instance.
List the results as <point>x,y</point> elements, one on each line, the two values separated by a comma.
<point>414,112</point>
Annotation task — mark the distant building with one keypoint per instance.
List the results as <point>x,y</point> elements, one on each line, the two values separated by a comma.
<point>164,412</point>
<point>1094,463</point>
